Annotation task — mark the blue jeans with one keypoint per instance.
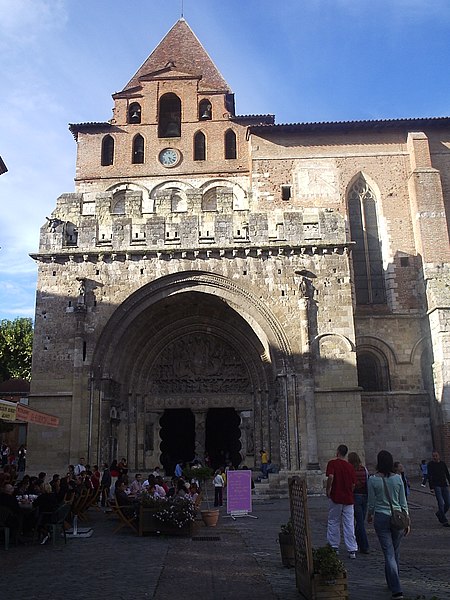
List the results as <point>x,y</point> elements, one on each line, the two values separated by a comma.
<point>390,544</point>
<point>360,509</point>
<point>443,500</point>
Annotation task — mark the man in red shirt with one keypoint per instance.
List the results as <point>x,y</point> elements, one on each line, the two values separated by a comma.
<point>341,480</point>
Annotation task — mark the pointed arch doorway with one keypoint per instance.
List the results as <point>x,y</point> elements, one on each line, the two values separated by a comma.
<point>222,441</point>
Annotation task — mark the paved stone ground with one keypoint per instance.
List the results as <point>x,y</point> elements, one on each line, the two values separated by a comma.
<point>243,564</point>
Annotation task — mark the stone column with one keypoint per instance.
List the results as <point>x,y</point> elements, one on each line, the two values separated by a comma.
<point>152,438</point>
<point>308,384</point>
<point>247,434</point>
<point>200,432</point>
<point>283,396</point>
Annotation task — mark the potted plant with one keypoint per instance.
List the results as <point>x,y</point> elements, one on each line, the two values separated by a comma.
<point>286,541</point>
<point>210,516</point>
<point>330,577</point>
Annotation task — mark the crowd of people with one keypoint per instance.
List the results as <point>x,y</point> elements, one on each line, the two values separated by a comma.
<point>31,499</point>
<point>354,494</point>
<point>129,493</point>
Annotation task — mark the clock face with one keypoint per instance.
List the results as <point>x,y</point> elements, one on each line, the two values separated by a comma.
<point>169,157</point>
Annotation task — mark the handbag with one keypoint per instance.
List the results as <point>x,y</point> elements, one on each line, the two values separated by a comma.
<point>399,518</point>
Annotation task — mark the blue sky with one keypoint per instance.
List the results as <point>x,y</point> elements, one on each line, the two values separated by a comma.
<point>302,60</point>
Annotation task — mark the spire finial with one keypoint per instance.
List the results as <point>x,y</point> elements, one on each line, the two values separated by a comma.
<point>182,9</point>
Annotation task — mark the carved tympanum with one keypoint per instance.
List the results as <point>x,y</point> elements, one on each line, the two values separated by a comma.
<point>199,363</point>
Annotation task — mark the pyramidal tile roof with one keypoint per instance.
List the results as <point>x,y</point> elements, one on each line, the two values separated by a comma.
<point>181,51</point>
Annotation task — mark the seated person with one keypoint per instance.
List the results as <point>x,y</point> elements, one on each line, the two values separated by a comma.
<point>151,480</point>
<point>194,492</point>
<point>46,503</point>
<point>55,483</point>
<point>8,500</point>
<point>125,503</point>
<point>160,488</point>
<point>34,487</point>
<point>181,491</point>
<point>136,485</point>
<point>151,491</point>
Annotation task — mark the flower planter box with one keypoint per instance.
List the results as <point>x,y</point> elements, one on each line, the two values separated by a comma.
<point>186,530</point>
<point>149,524</point>
<point>336,590</point>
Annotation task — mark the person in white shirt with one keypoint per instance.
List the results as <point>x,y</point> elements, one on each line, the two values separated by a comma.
<point>218,488</point>
<point>151,481</point>
<point>79,468</point>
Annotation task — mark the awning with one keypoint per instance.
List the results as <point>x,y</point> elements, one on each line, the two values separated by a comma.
<point>14,411</point>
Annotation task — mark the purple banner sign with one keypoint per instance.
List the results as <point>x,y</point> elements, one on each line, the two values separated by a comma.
<point>239,491</point>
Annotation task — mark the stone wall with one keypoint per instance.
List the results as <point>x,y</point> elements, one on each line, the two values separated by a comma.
<point>400,423</point>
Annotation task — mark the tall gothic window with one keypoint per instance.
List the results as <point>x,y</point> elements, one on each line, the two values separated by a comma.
<point>107,150</point>
<point>199,146</point>
<point>230,144</point>
<point>169,122</point>
<point>138,149</point>
<point>366,253</point>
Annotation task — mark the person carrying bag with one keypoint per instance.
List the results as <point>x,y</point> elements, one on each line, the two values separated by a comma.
<point>399,518</point>
<point>387,508</point>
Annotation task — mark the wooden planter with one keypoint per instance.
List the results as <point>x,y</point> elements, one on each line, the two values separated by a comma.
<point>326,590</point>
<point>149,524</point>
<point>286,541</point>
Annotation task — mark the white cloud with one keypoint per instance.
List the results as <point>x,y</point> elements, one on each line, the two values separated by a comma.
<point>17,297</point>
<point>23,21</point>
<point>407,9</point>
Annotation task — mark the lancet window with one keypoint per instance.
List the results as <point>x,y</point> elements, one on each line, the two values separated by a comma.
<point>366,253</point>
<point>107,151</point>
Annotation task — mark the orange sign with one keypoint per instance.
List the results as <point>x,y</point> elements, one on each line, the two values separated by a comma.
<point>33,416</point>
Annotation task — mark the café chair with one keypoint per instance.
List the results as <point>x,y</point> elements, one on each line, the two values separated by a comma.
<point>55,521</point>
<point>6,515</point>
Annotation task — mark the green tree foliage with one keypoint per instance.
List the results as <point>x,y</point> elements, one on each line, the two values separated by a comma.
<point>16,344</point>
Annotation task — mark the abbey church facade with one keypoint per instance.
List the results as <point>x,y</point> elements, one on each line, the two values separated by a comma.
<point>220,283</point>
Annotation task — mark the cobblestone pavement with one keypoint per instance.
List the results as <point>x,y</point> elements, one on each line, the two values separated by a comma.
<point>424,554</point>
<point>243,564</point>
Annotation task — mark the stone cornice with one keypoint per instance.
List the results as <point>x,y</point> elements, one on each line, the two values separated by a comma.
<point>111,255</point>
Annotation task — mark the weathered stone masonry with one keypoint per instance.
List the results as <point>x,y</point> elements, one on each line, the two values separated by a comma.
<point>208,262</point>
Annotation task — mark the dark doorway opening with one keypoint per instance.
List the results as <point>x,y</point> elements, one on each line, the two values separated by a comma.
<point>177,438</point>
<point>222,437</point>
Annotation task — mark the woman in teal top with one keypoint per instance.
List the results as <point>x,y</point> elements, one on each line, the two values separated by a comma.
<point>379,511</point>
